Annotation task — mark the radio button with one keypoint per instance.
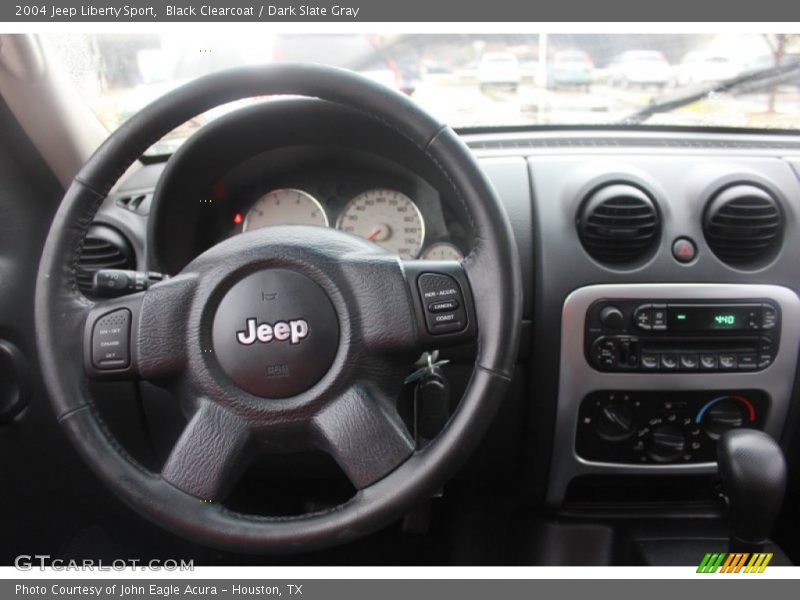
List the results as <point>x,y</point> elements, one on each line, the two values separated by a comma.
<point>769,316</point>
<point>659,317</point>
<point>649,362</point>
<point>689,361</point>
<point>764,360</point>
<point>748,362</point>
<point>727,361</point>
<point>605,352</point>
<point>709,362</point>
<point>669,361</point>
<point>643,317</point>
<point>612,317</point>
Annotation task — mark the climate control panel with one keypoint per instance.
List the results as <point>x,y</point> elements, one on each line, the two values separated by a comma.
<point>659,427</point>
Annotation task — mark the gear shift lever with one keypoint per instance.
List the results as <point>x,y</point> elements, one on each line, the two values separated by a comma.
<point>753,472</point>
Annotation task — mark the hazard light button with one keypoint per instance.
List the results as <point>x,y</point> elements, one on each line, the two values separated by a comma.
<point>684,250</point>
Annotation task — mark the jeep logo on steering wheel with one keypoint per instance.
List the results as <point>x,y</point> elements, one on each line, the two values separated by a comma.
<point>293,330</point>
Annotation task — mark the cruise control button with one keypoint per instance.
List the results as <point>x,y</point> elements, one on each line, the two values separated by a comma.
<point>111,338</point>
<point>443,306</point>
<point>727,361</point>
<point>443,303</point>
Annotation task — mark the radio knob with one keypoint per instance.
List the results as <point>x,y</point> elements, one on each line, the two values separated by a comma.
<point>724,415</point>
<point>612,317</point>
<point>615,421</point>
<point>667,443</point>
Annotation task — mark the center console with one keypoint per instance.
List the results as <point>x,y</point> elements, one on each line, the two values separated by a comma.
<point>651,375</point>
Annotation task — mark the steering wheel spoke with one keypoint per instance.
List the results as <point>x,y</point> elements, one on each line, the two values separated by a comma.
<point>364,434</point>
<point>209,453</point>
<point>140,335</point>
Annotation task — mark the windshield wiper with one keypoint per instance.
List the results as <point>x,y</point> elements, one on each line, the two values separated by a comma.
<point>683,97</point>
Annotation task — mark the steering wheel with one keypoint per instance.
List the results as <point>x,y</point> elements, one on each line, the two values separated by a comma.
<point>282,338</point>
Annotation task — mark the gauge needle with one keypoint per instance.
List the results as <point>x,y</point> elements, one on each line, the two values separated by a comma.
<point>374,234</point>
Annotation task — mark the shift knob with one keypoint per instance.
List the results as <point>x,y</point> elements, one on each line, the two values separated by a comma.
<point>753,472</point>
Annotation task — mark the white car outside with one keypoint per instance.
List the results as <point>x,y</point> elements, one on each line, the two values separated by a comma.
<point>499,69</point>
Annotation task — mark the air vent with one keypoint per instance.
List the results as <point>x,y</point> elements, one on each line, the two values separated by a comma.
<point>618,223</point>
<point>103,248</point>
<point>136,203</point>
<point>743,225</point>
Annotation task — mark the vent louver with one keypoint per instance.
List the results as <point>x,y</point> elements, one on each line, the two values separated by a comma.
<point>743,225</point>
<point>618,223</point>
<point>103,248</point>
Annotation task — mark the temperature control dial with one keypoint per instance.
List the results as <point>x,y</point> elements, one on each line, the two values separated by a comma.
<point>667,443</point>
<point>724,413</point>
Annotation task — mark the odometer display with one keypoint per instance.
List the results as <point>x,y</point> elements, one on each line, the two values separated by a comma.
<point>386,217</point>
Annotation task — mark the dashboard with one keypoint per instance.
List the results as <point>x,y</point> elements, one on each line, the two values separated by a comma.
<point>661,226</point>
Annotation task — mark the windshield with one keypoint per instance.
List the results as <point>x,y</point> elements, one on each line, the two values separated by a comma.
<point>466,80</point>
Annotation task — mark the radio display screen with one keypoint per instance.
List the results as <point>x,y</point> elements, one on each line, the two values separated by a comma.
<point>712,318</point>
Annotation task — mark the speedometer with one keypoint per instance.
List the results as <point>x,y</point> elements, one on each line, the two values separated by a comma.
<point>285,207</point>
<point>388,218</point>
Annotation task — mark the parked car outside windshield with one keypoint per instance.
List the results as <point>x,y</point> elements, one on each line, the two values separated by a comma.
<point>467,80</point>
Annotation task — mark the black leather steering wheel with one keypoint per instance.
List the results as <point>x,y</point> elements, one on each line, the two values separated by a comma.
<point>285,338</point>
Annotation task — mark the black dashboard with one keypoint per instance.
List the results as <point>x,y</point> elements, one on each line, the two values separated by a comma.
<point>623,218</point>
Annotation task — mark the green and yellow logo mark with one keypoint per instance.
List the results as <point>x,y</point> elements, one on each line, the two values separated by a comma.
<point>734,562</point>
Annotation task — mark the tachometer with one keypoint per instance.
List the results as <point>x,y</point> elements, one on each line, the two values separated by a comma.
<point>386,217</point>
<point>285,207</point>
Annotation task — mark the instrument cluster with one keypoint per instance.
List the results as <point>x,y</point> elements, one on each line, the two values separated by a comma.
<point>411,227</point>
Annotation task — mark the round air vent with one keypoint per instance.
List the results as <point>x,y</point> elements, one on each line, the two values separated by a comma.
<point>618,223</point>
<point>103,248</point>
<point>743,225</point>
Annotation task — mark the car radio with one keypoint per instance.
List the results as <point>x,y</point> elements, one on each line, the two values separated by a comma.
<point>681,336</point>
